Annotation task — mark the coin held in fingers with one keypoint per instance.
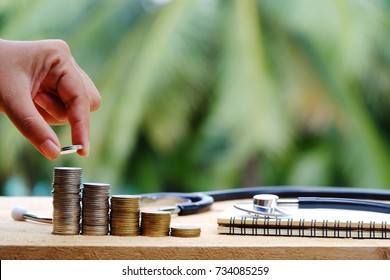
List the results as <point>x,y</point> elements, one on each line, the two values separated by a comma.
<point>71,149</point>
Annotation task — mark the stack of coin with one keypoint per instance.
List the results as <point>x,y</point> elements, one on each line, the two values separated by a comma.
<point>66,200</point>
<point>95,209</point>
<point>185,231</point>
<point>125,211</point>
<point>155,223</point>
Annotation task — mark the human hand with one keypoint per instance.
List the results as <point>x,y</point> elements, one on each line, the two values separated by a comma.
<point>42,85</point>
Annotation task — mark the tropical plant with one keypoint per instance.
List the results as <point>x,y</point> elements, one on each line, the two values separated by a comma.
<point>215,94</point>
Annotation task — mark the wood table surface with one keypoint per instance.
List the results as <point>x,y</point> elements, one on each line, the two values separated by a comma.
<point>34,241</point>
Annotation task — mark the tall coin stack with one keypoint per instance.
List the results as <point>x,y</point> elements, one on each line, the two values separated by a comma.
<point>66,200</point>
<point>95,209</point>
<point>155,223</point>
<point>125,211</point>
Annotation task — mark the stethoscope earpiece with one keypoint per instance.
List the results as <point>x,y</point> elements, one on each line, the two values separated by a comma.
<point>17,213</point>
<point>20,214</point>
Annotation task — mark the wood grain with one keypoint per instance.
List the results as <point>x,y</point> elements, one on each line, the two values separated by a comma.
<point>30,240</point>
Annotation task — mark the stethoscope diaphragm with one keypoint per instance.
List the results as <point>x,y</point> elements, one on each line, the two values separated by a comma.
<point>263,205</point>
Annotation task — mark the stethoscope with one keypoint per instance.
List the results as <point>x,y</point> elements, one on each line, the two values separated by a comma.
<point>265,200</point>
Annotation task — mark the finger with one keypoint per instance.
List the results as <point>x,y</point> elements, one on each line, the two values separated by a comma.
<point>74,93</point>
<point>77,92</point>
<point>93,93</point>
<point>32,125</point>
<point>49,118</point>
<point>52,105</point>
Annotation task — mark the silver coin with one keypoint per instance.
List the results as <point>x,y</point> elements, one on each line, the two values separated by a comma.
<point>66,200</point>
<point>71,149</point>
<point>95,208</point>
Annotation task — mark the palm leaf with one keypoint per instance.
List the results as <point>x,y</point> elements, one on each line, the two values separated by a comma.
<point>248,111</point>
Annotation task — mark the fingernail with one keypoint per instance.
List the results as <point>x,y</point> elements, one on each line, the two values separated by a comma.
<point>49,149</point>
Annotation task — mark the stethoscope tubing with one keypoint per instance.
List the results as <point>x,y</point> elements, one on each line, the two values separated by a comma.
<point>196,202</point>
<point>300,191</point>
<point>308,197</point>
<point>343,204</point>
<point>321,197</point>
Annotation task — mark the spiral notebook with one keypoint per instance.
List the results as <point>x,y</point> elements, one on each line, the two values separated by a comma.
<point>323,223</point>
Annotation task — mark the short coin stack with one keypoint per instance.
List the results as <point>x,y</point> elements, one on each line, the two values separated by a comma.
<point>66,200</point>
<point>95,210</point>
<point>125,211</point>
<point>185,231</point>
<point>155,223</point>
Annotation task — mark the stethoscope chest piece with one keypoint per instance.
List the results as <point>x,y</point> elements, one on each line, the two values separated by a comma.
<point>264,205</point>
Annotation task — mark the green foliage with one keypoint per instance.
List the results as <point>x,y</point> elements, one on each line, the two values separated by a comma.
<point>215,94</point>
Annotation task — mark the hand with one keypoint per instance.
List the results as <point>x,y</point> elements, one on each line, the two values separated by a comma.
<point>42,85</point>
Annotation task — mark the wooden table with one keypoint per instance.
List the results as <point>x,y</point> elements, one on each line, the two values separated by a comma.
<point>30,240</point>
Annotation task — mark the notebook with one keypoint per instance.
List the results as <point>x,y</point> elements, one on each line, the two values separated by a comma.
<point>326,223</point>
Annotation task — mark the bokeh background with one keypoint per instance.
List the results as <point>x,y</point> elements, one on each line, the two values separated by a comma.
<point>206,94</point>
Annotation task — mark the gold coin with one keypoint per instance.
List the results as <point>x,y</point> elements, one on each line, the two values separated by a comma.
<point>125,216</point>
<point>185,231</point>
<point>155,223</point>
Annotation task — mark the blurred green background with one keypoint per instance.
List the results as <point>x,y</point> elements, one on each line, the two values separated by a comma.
<point>207,94</point>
